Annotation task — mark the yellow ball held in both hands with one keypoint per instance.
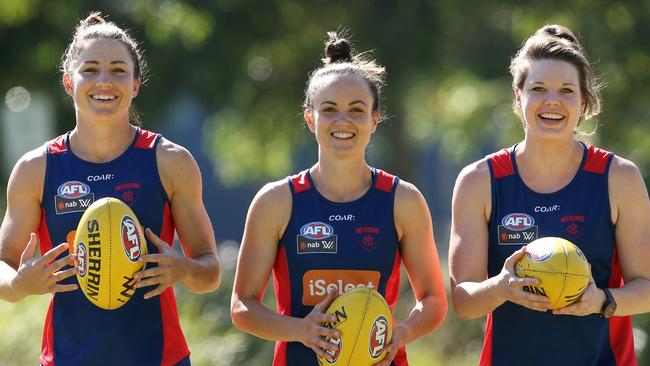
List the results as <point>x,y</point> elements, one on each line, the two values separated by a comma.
<point>561,267</point>
<point>108,243</point>
<point>365,322</point>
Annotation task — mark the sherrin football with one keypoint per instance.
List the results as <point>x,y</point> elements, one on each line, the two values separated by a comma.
<point>365,322</point>
<point>108,243</point>
<point>561,267</point>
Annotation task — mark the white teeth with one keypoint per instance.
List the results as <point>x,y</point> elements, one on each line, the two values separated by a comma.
<point>103,97</point>
<point>342,135</point>
<point>551,115</point>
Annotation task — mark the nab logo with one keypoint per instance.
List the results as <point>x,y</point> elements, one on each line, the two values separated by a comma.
<point>378,335</point>
<point>131,238</point>
<point>73,189</point>
<point>82,260</point>
<point>316,230</point>
<point>518,221</point>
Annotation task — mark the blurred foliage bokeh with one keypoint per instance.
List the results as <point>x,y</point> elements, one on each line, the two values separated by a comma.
<point>234,72</point>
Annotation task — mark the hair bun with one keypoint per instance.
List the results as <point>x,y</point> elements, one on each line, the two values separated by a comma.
<point>337,49</point>
<point>92,19</point>
<point>561,32</point>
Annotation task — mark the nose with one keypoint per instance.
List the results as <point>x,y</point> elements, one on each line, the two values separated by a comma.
<point>103,79</point>
<point>552,98</point>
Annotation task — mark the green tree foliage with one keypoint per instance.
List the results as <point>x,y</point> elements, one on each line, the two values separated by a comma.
<point>246,63</point>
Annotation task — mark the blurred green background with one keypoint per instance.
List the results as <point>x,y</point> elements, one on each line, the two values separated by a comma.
<point>227,79</point>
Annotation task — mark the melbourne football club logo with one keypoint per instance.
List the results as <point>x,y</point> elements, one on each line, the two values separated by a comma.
<point>131,239</point>
<point>72,196</point>
<point>367,237</point>
<point>572,225</point>
<point>128,192</point>
<point>517,229</point>
<point>316,237</point>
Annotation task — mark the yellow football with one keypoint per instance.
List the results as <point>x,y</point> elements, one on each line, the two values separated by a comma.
<point>561,267</point>
<point>366,325</point>
<point>108,242</point>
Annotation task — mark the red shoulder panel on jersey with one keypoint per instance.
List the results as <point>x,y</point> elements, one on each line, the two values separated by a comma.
<point>300,182</point>
<point>146,140</point>
<point>502,163</point>
<point>384,181</point>
<point>57,145</point>
<point>597,160</point>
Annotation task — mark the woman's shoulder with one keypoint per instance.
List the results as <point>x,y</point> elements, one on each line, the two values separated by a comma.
<point>276,195</point>
<point>477,172</point>
<point>32,162</point>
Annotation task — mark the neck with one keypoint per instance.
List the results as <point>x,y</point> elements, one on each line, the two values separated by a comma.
<point>547,166</point>
<point>101,142</point>
<point>341,180</point>
<point>545,153</point>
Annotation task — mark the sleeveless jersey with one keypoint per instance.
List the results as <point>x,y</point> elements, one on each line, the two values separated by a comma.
<point>330,244</point>
<point>141,332</point>
<point>579,212</point>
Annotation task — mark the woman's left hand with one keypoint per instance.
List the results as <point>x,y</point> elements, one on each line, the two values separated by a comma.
<point>589,303</point>
<point>392,348</point>
<point>170,269</point>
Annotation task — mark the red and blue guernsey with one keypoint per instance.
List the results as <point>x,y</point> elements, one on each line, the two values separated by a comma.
<point>335,245</point>
<point>579,212</point>
<point>142,332</point>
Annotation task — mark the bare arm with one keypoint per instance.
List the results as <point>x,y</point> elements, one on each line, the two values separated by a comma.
<point>268,217</point>
<point>420,257</point>
<point>631,214</point>
<point>473,295</point>
<point>20,273</point>
<point>199,270</point>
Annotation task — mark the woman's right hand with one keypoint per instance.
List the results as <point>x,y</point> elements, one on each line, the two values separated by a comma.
<point>42,275</point>
<point>511,287</point>
<point>313,333</point>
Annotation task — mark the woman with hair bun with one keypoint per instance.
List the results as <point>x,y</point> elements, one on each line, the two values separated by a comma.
<point>353,200</point>
<point>565,188</point>
<point>107,156</point>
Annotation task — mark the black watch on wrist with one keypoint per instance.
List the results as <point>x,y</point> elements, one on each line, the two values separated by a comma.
<point>609,306</point>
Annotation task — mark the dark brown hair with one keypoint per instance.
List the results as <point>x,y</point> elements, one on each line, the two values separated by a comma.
<point>558,43</point>
<point>340,59</point>
<point>95,27</point>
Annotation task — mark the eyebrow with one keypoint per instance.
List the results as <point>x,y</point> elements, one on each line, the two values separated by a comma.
<point>351,103</point>
<point>541,82</point>
<point>97,62</point>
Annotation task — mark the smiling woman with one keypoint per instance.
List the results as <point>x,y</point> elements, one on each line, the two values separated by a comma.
<point>106,156</point>
<point>339,225</point>
<point>551,185</point>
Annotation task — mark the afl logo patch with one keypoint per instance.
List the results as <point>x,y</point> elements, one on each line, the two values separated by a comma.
<point>518,221</point>
<point>316,230</point>
<point>540,255</point>
<point>378,335</point>
<point>73,189</point>
<point>131,239</point>
<point>82,260</point>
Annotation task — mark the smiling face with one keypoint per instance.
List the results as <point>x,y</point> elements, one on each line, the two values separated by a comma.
<point>101,80</point>
<point>342,116</point>
<point>550,99</point>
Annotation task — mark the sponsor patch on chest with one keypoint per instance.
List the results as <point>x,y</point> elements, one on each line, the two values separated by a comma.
<point>72,196</point>
<point>316,237</point>
<point>517,229</point>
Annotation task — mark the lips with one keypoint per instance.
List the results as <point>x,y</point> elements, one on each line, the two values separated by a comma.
<point>343,135</point>
<point>551,116</point>
<point>103,97</point>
